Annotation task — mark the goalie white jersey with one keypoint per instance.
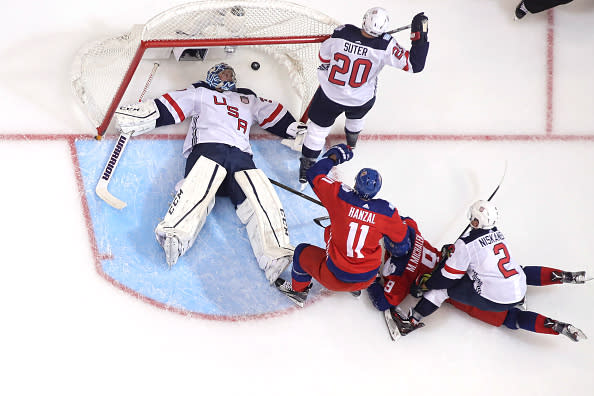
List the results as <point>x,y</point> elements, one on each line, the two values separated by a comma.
<point>352,62</point>
<point>219,117</point>
<point>485,257</point>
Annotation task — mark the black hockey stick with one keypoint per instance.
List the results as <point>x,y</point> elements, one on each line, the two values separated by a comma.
<point>399,29</point>
<point>491,197</point>
<point>289,189</point>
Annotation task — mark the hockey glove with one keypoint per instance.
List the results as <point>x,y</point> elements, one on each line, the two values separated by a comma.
<point>376,294</point>
<point>447,250</point>
<point>137,118</point>
<point>419,28</point>
<point>418,288</point>
<point>298,130</point>
<point>341,153</point>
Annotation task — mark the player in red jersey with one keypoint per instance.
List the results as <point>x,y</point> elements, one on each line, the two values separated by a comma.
<point>409,272</point>
<point>358,222</point>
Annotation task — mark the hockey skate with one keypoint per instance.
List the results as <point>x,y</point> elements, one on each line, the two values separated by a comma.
<point>399,324</point>
<point>570,277</point>
<point>297,297</point>
<point>356,293</point>
<point>351,139</point>
<point>304,165</point>
<point>570,331</point>
<point>521,11</point>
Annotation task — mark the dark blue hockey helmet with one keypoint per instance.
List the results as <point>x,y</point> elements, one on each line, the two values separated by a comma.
<point>367,183</point>
<point>213,77</point>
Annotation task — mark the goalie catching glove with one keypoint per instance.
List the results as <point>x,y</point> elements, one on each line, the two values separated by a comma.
<point>297,130</point>
<point>137,118</point>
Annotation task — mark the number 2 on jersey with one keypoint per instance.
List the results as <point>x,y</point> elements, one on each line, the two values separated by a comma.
<point>503,260</point>
<point>345,69</point>
<point>351,248</point>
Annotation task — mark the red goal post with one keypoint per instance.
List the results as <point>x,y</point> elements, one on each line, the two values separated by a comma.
<point>290,33</point>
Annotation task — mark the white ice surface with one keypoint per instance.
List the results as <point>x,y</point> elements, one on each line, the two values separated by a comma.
<point>67,331</point>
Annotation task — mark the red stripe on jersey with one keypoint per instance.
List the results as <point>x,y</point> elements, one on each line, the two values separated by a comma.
<point>406,55</point>
<point>272,116</point>
<point>453,270</point>
<point>322,59</point>
<point>176,107</point>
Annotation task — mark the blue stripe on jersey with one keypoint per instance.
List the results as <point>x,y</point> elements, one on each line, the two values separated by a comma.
<point>280,128</point>
<point>373,205</point>
<point>246,91</point>
<point>476,233</point>
<point>353,34</point>
<point>349,277</point>
<point>202,84</point>
<point>165,117</point>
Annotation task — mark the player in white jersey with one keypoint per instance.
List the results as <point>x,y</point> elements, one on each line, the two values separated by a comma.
<point>351,60</point>
<point>480,272</point>
<point>219,162</point>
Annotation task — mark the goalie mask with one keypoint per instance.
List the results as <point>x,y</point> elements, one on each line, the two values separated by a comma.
<point>367,183</point>
<point>485,213</point>
<point>375,21</point>
<point>221,76</point>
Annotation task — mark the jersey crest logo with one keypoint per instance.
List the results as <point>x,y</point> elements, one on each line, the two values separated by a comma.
<point>244,99</point>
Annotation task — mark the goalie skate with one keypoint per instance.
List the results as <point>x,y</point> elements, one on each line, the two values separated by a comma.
<point>296,297</point>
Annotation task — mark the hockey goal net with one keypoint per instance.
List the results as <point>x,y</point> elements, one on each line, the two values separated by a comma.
<point>289,33</point>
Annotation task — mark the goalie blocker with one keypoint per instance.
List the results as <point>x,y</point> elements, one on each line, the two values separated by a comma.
<point>261,212</point>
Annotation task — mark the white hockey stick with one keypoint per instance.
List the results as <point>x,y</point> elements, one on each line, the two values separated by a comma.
<point>114,158</point>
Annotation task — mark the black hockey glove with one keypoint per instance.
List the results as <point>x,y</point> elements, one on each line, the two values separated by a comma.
<point>446,251</point>
<point>339,153</point>
<point>418,288</point>
<point>419,28</point>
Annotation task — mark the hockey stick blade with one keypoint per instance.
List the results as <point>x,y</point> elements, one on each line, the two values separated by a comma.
<point>318,220</point>
<point>110,166</point>
<point>392,327</point>
<point>105,195</point>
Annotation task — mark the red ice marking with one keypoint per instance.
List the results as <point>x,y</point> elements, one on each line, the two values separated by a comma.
<point>550,63</point>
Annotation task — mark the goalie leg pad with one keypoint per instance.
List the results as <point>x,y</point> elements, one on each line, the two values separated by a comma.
<point>265,221</point>
<point>187,213</point>
<point>137,118</point>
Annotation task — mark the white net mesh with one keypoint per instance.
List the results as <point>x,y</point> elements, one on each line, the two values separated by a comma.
<point>288,32</point>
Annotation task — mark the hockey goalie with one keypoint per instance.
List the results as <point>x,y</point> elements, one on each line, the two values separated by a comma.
<point>219,161</point>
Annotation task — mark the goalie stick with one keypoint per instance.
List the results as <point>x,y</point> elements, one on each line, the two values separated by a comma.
<point>116,153</point>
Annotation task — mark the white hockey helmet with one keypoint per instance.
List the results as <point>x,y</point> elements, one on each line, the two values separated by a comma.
<point>375,21</point>
<point>485,213</point>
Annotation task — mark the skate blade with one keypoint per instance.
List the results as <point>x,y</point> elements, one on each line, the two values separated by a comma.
<point>392,327</point>
<point>302,186</point>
